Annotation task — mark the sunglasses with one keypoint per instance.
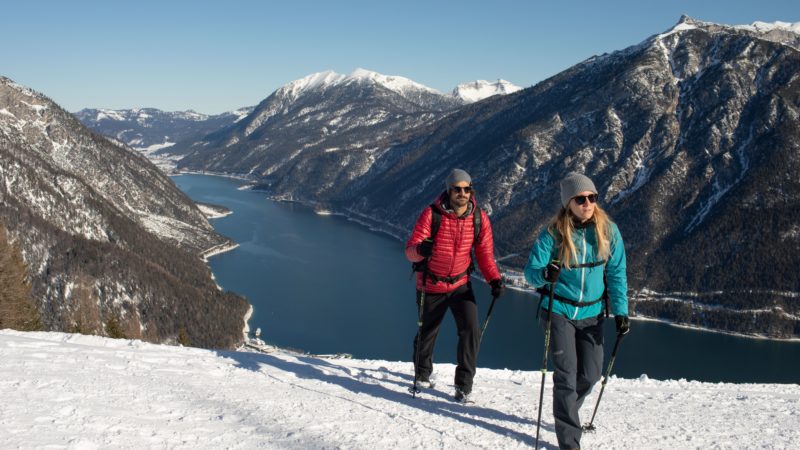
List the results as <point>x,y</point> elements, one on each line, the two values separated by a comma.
<point>466,189</point>
<point>581,199</point>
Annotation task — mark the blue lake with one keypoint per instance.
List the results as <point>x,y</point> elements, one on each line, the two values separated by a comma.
<point>324,284</point>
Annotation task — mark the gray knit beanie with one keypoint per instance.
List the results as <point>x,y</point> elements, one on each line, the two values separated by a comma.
<point>573,184</point>
<point>457,175</point>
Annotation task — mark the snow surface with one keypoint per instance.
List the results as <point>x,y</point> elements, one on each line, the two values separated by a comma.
<point>72,391</point>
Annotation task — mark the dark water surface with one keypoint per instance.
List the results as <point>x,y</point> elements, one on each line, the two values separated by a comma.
<point>324,284</point>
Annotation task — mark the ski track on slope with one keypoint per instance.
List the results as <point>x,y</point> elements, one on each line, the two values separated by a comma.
<point>86,392</point>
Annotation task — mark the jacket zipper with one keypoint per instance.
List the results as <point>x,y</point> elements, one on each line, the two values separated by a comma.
<point>583,273</point>
<point>456,244</point>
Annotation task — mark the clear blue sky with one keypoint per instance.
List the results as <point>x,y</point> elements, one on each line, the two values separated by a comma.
<point>215,56</point>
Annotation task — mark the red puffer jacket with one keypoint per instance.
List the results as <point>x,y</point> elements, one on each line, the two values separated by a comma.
<point>452,246</point>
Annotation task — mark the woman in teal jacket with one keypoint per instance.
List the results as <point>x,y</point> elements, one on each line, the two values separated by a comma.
<point>572,253</point>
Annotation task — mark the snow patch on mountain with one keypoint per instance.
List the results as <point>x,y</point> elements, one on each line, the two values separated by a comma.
<point>398,84</point>
<point>481,89</point>
<point>241,114</point>
<point>313,81</point>
<point>109,114</point>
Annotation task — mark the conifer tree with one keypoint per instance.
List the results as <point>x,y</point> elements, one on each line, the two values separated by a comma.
<point>17,310</point>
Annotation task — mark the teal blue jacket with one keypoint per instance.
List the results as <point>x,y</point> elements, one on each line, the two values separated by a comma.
<point>582,284</point>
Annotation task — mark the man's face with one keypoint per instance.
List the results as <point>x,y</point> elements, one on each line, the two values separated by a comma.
<point>460,193</point>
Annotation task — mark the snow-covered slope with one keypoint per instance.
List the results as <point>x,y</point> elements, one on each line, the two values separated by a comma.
<point>74,391</point>
<point>481,89</point>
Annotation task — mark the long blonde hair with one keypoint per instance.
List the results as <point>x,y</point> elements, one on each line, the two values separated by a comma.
<point>563,225</point>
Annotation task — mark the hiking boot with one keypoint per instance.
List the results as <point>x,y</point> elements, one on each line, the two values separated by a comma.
<point>420,384</point>
<point>425,383</point>
<point>462,396</point>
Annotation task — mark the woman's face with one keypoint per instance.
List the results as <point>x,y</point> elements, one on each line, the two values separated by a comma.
<point>582,205</point>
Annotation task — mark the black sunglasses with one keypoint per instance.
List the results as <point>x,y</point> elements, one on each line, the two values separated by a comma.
<point>466,189</point>
<point>581,199</point>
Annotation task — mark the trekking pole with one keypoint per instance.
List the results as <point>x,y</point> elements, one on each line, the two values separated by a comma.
<point>590,427</point>
<point>544,357</point>
<point>486,322</point>
<point>420,309</point>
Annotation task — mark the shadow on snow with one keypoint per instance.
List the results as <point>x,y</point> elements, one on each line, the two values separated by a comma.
<point>364,382</point>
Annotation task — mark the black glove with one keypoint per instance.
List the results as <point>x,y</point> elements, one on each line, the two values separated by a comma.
<point>425,249</point>
<point>623,325</point>
<point>551,272</point>
<point>497,287</point>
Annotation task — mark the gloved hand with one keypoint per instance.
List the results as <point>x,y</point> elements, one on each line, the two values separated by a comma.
<point>623,325</point>
<point>497,287</point>
<point>551,272</point>
<point>425,249</point>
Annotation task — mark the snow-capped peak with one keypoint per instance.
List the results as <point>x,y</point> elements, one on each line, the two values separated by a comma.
<point>330,78</point>
<point>684,24</point>
<point>481,89</point>
<point>109,114</point>
<point>391,82</point>
<point>765,27</point>
<point>315,80</point>
<point>688,23</point>
<point>780,32</point>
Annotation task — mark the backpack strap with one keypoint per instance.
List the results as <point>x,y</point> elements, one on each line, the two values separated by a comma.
<point>436,220</point>
<point>476,225</point>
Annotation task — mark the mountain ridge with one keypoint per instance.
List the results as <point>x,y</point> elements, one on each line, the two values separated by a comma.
<point>156,132</point>
<point>106,237</point>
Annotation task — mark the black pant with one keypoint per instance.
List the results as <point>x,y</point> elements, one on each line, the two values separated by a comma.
<point>577,350</point>
<point>461,302</point>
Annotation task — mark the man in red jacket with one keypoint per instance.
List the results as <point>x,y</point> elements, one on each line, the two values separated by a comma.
<point>445,263</point>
